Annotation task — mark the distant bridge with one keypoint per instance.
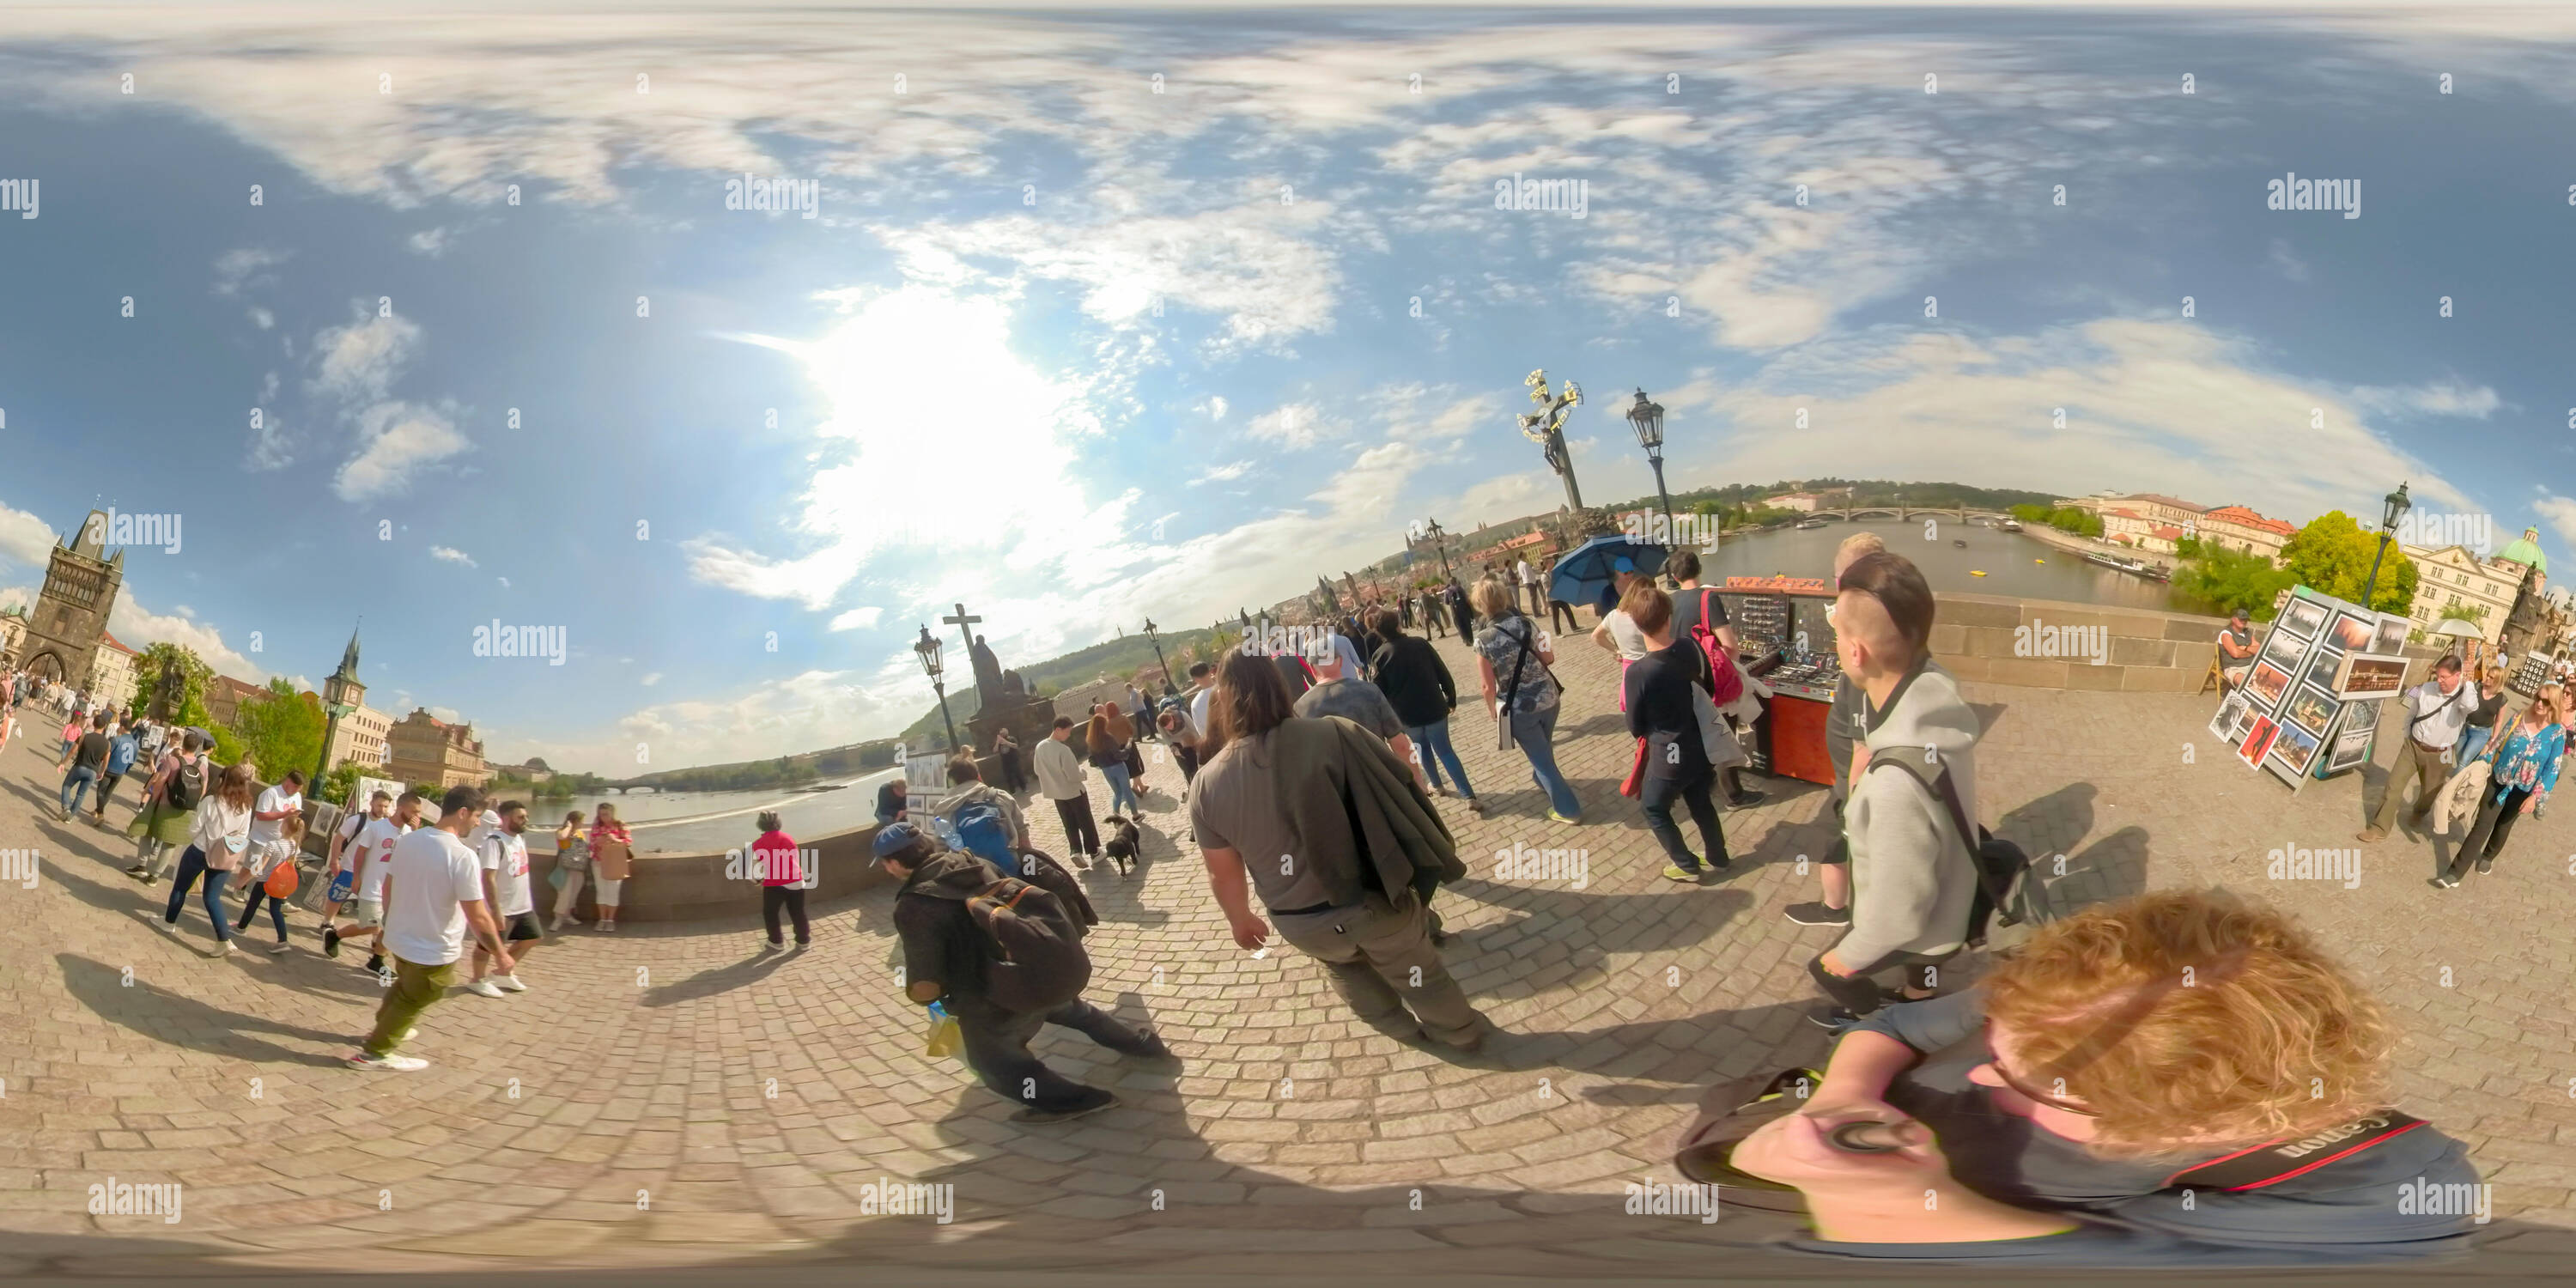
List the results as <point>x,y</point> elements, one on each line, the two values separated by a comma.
<point>1901,513</point>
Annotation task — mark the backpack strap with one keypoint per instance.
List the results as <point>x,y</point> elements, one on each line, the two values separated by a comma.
<point>1939,785</point>
<point>2267,1164</point>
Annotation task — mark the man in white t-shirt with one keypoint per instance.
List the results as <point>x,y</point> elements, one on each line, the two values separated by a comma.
<point>501,846</point>
<point>345,850</point>
<point>433,893</point>
<point>282,800</point>
<point>375,847</point>
<point>1529,587</point>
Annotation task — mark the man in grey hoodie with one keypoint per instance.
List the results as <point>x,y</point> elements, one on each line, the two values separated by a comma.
<point>1914,883</point>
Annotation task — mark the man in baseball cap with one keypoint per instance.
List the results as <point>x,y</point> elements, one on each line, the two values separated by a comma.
<point>945,956</point>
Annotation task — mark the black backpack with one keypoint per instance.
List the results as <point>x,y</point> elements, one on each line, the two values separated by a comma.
<point>1034,959</point>
<point>188,786</point>
<point>2008,892</point>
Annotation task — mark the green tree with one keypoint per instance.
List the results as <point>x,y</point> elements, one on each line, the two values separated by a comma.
<point>194,676</point>
<point>2230,579</point>
<point>280,730</point>
<point>342,780</point>
<point>2334,555</point>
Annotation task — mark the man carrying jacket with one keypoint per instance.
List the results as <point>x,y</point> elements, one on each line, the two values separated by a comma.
<point>1914,883</point>
<point>1342,846</point>
<point>947,959</point>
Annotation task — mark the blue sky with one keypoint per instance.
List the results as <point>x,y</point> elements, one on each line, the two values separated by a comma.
<point>1079,352</point>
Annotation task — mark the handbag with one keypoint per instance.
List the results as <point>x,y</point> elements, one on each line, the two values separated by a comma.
<point>558,877</point>
<point>1503,716</point>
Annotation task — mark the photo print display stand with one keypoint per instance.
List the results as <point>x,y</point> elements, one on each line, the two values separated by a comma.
<point>2305,709</point>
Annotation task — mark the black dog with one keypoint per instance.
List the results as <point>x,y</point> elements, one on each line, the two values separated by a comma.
<point>1122,844</point>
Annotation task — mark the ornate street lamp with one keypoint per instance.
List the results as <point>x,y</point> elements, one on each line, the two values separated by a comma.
<point>1440,542</point>
<point>2397,506</point>
<point>927,649</point>
<point>1546,427</point>
<point>1168,688</point>
<point>1648,420</point>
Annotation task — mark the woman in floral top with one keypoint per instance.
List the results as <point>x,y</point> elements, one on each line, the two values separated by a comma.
<point>2526,766</point>
<point>1511,640</point>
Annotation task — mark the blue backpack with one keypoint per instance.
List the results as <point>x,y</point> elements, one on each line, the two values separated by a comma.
<point>979,830</point>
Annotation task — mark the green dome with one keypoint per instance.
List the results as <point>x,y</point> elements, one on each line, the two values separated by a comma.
<point>2526,550</point>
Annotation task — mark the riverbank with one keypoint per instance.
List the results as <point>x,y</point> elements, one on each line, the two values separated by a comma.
<point>2041,532</point>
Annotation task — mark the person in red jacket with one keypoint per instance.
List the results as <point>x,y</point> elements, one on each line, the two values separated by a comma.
<point>782,880</point>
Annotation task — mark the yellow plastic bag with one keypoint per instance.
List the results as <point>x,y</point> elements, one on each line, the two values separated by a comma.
<point>942,1039</point>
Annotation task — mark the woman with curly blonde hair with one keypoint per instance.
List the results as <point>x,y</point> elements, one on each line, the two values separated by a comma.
<point>2178,1078</point>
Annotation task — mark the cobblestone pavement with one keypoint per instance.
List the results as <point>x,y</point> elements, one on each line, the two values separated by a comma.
<point>674,1098</point>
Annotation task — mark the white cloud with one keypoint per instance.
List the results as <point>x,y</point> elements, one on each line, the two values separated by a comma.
<point>796,713</point>
<point>451,554</point>
<point>262,318</point>
<point>1297,425</point>
<point>396,441</point>
<point>505,582</point>
<point>2560,512</point>
<point>1216,405</point>
<point>27,539</point>
<point>651,679</point>
<point>429,241</point>
<point>2444,399</point>
<point>139,628</point>
<point>357,363</point>
<point>858,618</point>
<point>1225,473</point>
<point>247,267</point>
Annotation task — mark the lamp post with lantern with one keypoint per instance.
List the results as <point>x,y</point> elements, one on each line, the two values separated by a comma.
<point>2397,505</point>
<point>1647,418</point>
<point>927,649</point>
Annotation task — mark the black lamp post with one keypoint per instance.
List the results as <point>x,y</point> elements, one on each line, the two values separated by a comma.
<point>927,649</point>
<point>1168,689</point>
<point>2398,505</point>
<point>1440,542</point>
<point>1648,420</point>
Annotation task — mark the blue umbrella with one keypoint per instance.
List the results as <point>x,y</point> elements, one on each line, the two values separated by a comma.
<point>1585,574</point>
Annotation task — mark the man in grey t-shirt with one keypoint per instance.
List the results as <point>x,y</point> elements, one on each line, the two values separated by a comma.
<point>1363,704</point>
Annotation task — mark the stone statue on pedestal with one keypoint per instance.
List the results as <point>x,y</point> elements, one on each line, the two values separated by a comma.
<point>988,674</point>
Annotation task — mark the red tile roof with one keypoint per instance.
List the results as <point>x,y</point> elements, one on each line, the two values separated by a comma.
<point>2165,532</point>
<point>2246,518</point>
<point>112,642</point>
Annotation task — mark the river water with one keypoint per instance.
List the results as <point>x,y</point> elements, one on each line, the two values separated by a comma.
<point>2014,565</point>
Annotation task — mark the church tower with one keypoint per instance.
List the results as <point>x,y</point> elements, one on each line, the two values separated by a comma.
<point>81,581</point>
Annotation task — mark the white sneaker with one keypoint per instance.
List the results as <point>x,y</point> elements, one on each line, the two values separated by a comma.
<point>170,927</point>
<point>483,988</point>
<point>397,1063</point>
<point>509,983</point>
<point>277,949</point>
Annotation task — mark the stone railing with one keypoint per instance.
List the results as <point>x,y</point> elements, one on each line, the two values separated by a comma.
<point>695,887</point>
<point>1977,637</point>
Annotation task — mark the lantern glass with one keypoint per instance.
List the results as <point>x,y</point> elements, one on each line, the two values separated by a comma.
<point>1648,420</point>
<point>2398,505</point>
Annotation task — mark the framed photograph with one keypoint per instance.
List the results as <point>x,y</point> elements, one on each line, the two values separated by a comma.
<point>2303,617</point>
<point>2391,639</point>
<point>2231,714</point>
<point>2268,683</point>
<point>2283,650</point>
<point>2323,668</point>
<point>2368,679</point>
<point>2352,632</point>
<point>2294,750</point>
<point>2351,746</point>
<point>2257,742</point>
<point>2310,710</point>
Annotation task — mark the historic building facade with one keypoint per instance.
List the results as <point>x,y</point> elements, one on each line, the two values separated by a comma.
<point>427,749</point>
<point>70,618</point>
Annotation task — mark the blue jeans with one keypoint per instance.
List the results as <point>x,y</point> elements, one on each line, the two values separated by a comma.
<point>192,865</point>
<point>1121,792</point>
<point>76,785</point>
<point>1534,732</point>
<point>2472,740</point>
<point>1431,745</point>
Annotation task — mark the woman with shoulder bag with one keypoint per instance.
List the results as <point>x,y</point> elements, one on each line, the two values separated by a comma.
<point>1511,657</point>
<point>612,854</point>
<point>2526,765</point>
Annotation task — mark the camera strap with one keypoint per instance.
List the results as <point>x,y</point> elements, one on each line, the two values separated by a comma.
<point>2252,1169</point>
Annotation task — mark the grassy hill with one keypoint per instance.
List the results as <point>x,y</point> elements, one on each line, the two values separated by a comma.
<point>1116,658</point>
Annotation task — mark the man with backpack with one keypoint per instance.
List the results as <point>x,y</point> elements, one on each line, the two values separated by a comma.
<point>123,749</point>
<point>1912,813</point>
<point>1003,956</point>
<point>161,827</point>
<point>988,823</point>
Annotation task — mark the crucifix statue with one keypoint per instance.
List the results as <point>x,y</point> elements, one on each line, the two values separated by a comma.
<point>987,668</point>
